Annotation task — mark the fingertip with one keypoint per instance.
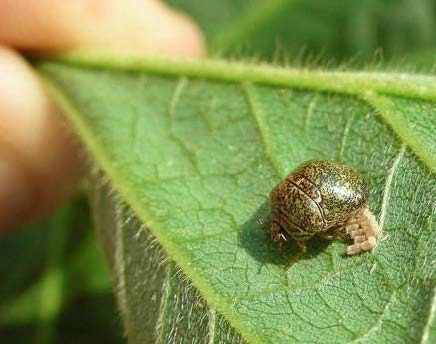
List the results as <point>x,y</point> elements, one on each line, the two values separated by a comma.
<point>131,26</point>
<point>177,32</point>
<point>37,155</point>
<point>137,27</point>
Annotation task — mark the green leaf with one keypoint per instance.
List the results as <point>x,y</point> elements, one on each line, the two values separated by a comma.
<point>194,150</point>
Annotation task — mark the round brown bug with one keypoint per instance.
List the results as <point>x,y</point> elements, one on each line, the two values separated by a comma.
<point>324,198</point>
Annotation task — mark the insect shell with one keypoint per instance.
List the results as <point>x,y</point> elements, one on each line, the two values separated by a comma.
<point>324,198</point>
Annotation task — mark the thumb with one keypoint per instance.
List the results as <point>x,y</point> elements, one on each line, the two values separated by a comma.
<point>39,165</point>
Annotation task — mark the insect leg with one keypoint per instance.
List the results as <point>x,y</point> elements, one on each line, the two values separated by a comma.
<point>296,257</point>
<point>276,232</point>
<point>326,236</point>
<point>278,235</point>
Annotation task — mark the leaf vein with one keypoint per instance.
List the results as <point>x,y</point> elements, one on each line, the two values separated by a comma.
<point>388,186</point>
<point>431,317</point>
<point>264,133</point>
<point>211,326</point>
<point>345,136</point>
<point>182,83</point>
<point>160,325</point>
<point>378,323</point>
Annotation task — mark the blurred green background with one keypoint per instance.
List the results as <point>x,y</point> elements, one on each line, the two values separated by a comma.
<point>395,34</point>
<point>55,286</point>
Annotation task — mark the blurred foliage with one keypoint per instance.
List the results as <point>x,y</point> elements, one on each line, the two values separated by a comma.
<point>55,285</point>
<point>396,33</point>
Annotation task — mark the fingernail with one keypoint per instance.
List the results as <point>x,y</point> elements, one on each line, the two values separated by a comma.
<point>15,195</point>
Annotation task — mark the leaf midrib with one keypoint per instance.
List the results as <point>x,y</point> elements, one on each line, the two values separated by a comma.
<point>354,83</point>
<point>369,87</point>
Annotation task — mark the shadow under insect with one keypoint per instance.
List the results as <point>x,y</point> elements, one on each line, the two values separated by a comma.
<point>255,238</point>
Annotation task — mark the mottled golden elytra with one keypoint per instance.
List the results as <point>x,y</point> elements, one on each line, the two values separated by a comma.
<point>324,198</point>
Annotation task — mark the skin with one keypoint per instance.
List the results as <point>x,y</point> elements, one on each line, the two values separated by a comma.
<point>39,164</point>
<point>316,199</point>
